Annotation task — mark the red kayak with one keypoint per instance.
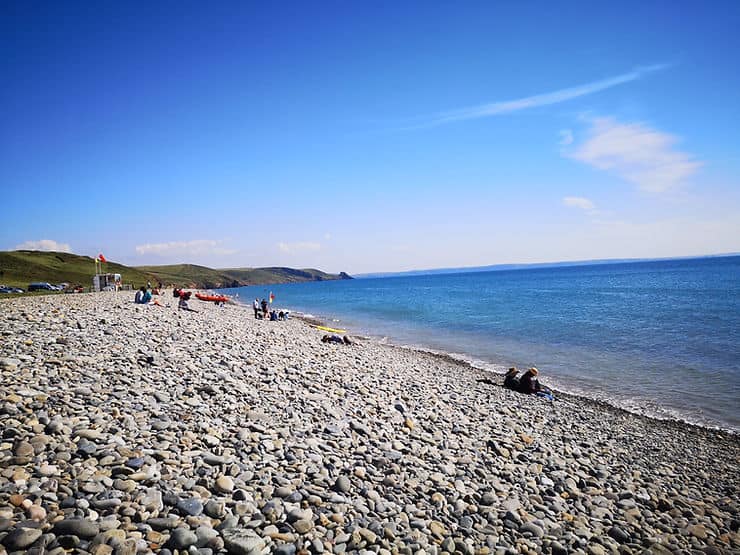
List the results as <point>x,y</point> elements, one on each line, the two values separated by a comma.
<point>211,298</point>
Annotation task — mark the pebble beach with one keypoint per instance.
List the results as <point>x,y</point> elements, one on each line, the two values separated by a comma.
<point>137,429</point>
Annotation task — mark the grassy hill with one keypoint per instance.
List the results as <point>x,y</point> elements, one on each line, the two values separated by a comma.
<point>258,276</point>
<point>19,268</point>
<point>191,275</point>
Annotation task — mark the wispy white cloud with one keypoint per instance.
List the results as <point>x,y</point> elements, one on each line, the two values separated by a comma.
<point>196,247</point>
<point>44,245</point>
<point>637,153</point>
<point>546,99</point>
<point>299,247</point>
<point>579,202</point>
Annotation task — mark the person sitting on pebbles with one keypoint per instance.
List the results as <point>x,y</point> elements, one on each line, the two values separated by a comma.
<point>183,303</point>
<point>529,384</point>
<point>511,381</point>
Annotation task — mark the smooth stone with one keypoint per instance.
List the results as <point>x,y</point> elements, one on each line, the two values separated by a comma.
<point>342,484</point>
<point>213,460</point>
<point>190,506</point>
<point>302,526</point>
<point>205,535</point>
<point>215,509</point>
<point>24,450</point>
<point>181,538</point>
<point>240,541</point>
<point>618,534</point>
<point>21,538</point>
<point>161,523</point>
<point>284,549</point>
<point>77,527</point>
<point>488,498</point>
<point>135,463</point>
<point>437,528</point>
<point>224,484</point>
<point>532,528</point>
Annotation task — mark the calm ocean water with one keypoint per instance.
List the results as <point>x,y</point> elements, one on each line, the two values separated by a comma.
<point>660,338</point>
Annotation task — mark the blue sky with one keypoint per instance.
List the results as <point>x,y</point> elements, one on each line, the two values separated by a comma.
<point>370,136</point>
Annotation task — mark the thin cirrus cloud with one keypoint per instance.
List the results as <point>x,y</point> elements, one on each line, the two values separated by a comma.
<point>546,99</point>
<point>195,247</point>
<point>637,153</point>
<point>44,245</point>
<point>292,248</point>
<point>579,202</point>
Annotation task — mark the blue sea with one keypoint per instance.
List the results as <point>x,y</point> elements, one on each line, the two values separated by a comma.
<point>660,338</point>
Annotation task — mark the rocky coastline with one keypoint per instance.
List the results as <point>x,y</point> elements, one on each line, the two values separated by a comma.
<point>134,429</point>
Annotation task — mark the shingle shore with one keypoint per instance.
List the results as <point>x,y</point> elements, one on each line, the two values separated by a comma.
<point>130,428</point>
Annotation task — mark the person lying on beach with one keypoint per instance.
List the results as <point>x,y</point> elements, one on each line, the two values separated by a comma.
<point>529,384</point>
<point>336,339</point>
<point>511,381</point>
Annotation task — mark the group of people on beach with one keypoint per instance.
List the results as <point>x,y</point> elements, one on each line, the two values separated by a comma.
<point>527,383</point>
<point>145,296</point>
<point>262,311</point>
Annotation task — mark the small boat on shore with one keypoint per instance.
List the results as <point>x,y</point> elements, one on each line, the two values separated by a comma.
<point>212,298</point>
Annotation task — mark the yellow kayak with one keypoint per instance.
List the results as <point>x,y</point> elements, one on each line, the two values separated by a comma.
<point>333,330</point>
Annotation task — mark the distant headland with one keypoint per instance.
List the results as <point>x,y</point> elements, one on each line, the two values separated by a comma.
<point>21,267</point>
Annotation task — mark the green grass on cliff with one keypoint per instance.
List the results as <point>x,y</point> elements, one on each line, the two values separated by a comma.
<point>19,268</point>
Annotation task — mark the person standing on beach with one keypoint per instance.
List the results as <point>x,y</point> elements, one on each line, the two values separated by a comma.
<point>256,307</point>
<point>264,309</point>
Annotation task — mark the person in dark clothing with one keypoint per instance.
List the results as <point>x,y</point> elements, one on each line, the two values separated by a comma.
<point>529,383</point>
<point>511,381</point>
<point>332,339</point>
<point>264,309</point>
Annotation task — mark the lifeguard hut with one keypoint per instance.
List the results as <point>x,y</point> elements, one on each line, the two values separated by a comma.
<point>106,282</point>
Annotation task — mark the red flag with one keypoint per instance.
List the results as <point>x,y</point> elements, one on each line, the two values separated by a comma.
<point>102,258</point>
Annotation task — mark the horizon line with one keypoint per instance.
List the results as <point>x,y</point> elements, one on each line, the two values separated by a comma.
<point>522,265</point>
